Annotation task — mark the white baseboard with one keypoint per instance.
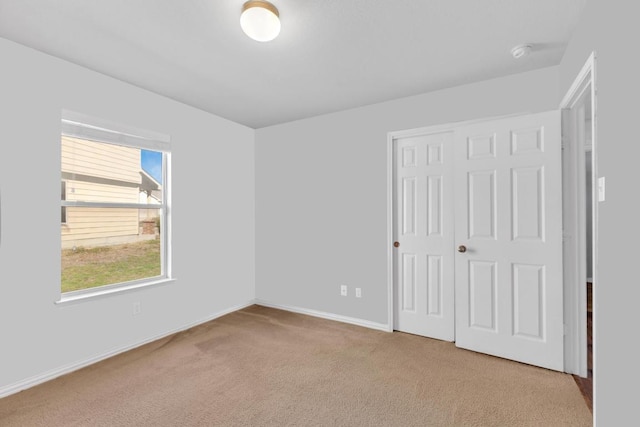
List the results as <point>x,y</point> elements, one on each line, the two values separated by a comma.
<point>54,373</point>
<point>330,316</point>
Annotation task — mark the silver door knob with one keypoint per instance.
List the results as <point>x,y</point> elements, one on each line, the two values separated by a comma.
<point>462,249</point>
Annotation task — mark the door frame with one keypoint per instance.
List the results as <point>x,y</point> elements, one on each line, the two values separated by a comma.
<point>391,219</point>
<point>574,222</point>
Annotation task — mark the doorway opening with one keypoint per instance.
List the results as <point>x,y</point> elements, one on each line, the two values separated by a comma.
<point>583,191</point>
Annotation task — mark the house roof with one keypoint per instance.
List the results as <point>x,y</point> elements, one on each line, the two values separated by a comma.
<point>148,183</point>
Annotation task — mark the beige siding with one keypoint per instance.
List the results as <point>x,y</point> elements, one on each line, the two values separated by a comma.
<point>104,173</point>
<point>84,191</point>
<point>98,223</point>
<point>100,160</point>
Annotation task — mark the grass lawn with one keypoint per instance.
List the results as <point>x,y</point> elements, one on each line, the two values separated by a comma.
<point>88,268</point>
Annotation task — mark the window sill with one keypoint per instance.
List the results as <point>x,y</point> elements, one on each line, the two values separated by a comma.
<point>108,291</point>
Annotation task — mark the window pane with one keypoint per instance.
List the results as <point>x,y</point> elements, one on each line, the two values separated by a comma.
<point>103,246</point>
<point>100,172</point>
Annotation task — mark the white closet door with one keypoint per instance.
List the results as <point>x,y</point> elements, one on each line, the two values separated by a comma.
<point>508,215</point>
<point>424,257</point>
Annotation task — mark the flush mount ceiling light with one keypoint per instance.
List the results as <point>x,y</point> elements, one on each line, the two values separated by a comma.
<point>521,50</point>
<point>260,20</point>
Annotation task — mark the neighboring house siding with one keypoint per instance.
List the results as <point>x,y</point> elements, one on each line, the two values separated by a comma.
<point>99,192</point>
<point>101,160</point>
<point>96,172</point>
<point>96,223</point>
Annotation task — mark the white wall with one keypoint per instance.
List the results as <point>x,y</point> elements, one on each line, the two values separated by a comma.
<point>321,191</point>
<point>213,253</point>
<point>611,29</point>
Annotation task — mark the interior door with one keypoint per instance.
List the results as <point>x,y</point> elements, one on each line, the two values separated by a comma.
<point>424,257</point>
<point>508,233</point>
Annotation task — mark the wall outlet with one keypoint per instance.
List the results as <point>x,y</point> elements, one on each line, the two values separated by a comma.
<point>137,308</point>
<point>343,290</point>
<point>358,292</point>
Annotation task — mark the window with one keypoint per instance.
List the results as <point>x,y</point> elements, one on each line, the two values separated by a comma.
<point>115,215</point>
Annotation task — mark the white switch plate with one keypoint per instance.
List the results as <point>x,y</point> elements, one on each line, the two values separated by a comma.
<point>601,189</point>
<point>358,293</point>
<point>137,309</point>
<point>343,290</point>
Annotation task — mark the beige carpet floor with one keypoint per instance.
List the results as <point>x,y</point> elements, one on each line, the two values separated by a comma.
<point>266,367</point>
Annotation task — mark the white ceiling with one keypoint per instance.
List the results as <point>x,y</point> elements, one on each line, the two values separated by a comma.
<point>330,55</point>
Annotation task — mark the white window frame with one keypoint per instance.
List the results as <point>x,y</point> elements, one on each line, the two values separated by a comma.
<point>85,127</point>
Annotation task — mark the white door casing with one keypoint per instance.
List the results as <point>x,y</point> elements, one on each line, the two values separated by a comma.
<point>423,213</point>
<point>508,215</point>
<point>581,95</point>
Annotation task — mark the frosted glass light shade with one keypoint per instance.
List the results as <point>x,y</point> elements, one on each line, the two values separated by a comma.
<point>260,20</point>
